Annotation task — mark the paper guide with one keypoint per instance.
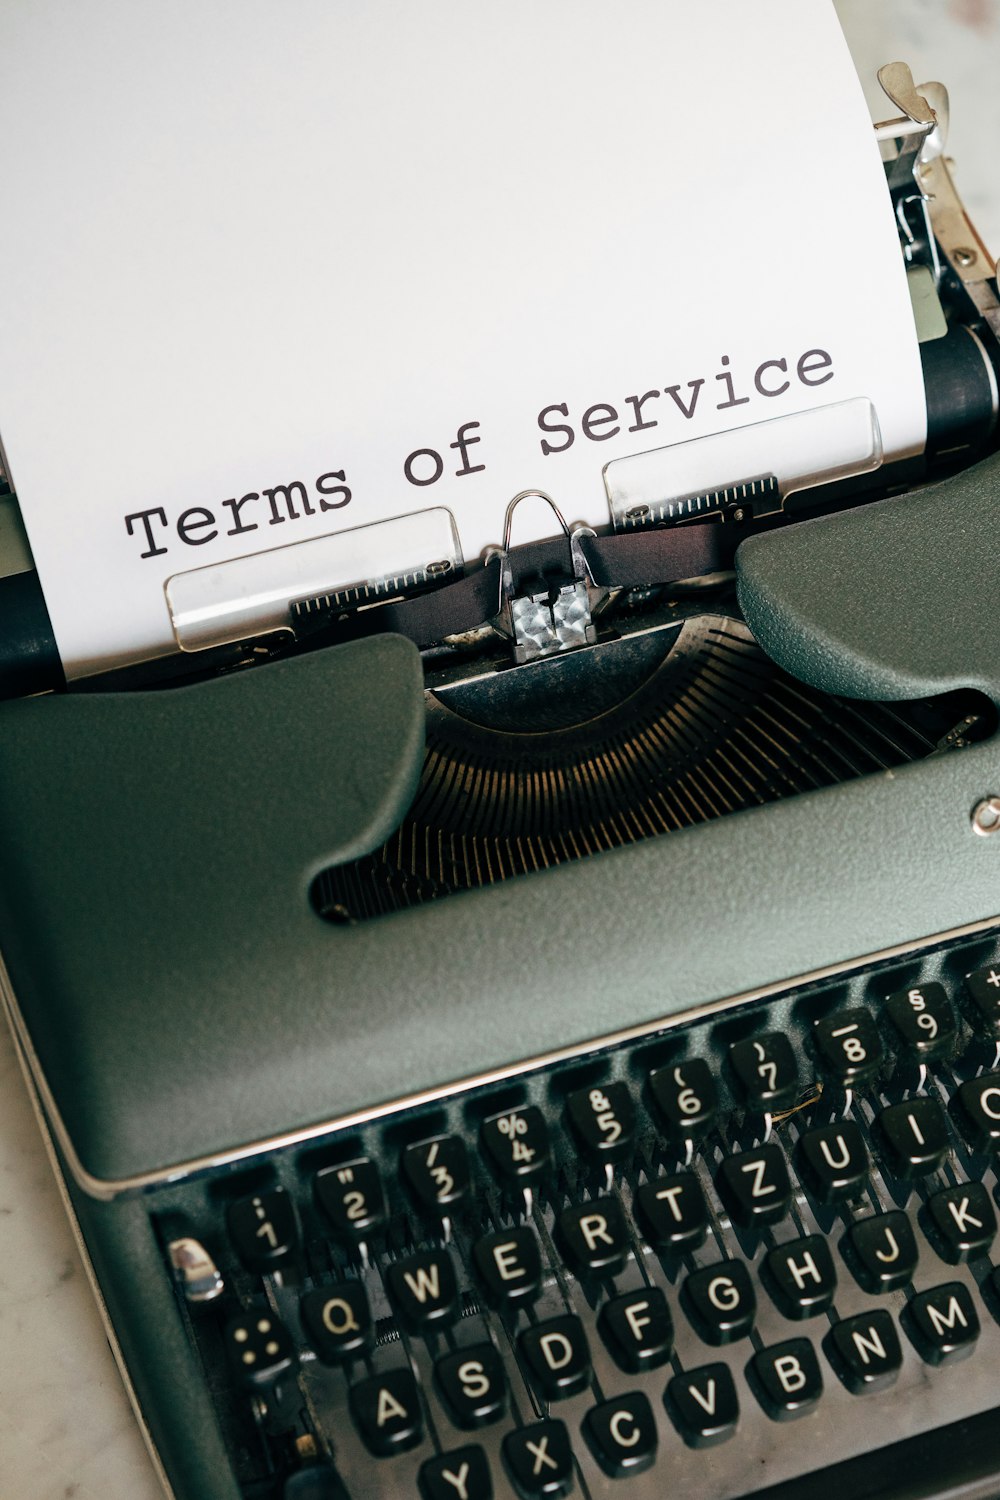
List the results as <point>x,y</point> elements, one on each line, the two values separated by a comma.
<point>272,272</point>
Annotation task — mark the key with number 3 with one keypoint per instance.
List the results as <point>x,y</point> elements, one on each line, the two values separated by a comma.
<point>437,1171</point>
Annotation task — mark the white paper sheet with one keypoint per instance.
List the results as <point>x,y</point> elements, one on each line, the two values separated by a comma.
<point>251,242</point>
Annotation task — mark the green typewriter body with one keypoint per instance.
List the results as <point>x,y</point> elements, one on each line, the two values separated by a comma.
<point>582,1177</point>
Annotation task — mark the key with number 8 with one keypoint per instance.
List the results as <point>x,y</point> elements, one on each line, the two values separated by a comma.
<point>848,1046</point>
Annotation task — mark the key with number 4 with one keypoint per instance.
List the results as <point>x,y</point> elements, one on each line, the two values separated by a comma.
<point>517,1143</point>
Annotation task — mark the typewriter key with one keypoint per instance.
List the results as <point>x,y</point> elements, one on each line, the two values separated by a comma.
<point>982,987</point>
<point>703,1405</point>
<point>594,1237</point>
<point>603,1121</point>
<point>557,1356</point>
<point>638,1330</point>
<point>437,1172</point>
<point>834,1161</point>
<point>881,1251</point>
<point>462,1474</point>
<point>337,1320</point>
<point>864,1351</point>
<point>672,1212</point>
<point>786,1379</point>
<point>720,1302</point>
<point>386,1412</point>
<point>962,1222</point>
<point>263,1230</point>
<point>423,1290</point>
<point>976,1110</point>
<point>509,1265</point>
<point>351,1197</point>
<point>800,1276</point>
<point>923,1020</point>
<point>260,1348</point>
<point>755,1187</point>
<point>766,1070</point>
<point>684,1097</point>
<point>848,1047</point>
<point>472,1384</point>
<point>942,1324</point>
<point>914,1137</point>
<point>621,1434</point>
<point>539,1460</point>
<point>517,1144</point>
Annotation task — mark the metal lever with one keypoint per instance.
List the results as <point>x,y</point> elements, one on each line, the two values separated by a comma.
<point>559,619</point>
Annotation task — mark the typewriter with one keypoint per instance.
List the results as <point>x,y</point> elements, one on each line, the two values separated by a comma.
<point>539,1033</point>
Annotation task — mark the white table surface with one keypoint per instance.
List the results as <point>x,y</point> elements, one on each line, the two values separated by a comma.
<point>66,1429</point>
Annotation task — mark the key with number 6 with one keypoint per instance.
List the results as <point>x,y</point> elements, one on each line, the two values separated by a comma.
<point>685,1097</point>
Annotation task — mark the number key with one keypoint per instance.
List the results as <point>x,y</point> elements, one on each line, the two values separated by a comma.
<point>263,1229</point>
<point>437,1171</point>
<point>848,1046</point>
<point>767,1070</point>
<point>685,1096</point>
<point>351,1197</point>
<point>983,987</point>
<point>924,1020</point>
<point>517,1143</point>
<point>603,1121</point>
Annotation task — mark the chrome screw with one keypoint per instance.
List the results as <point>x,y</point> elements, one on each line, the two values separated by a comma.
<point>986,816</point>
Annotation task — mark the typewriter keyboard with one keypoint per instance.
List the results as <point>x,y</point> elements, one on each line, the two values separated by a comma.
<point>749,1246</point>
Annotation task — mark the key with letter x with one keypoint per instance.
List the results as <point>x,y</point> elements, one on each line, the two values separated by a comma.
<point>539,1460</point>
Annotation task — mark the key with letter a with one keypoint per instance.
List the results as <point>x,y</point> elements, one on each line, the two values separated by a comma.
<point>386,1411</point>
